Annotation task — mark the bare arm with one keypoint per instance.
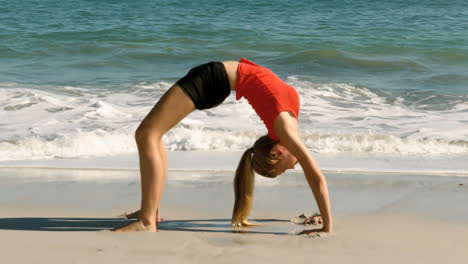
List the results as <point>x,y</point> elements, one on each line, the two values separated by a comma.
<point>286,129</point>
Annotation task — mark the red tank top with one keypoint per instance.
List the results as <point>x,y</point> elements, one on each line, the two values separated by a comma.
<point>266,93</point>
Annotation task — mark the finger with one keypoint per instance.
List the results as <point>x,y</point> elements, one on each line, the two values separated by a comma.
<point>313,220</point>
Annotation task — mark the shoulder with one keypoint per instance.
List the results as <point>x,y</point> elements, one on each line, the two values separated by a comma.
<point>286,129</point>
<point>285,125</point>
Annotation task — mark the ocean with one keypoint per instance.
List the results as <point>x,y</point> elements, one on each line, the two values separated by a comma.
<point>379,78</point>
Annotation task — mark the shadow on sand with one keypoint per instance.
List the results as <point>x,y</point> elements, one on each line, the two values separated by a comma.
<point>98,224</point>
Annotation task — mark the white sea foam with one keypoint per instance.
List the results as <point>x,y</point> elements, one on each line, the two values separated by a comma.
<point>77,122</point>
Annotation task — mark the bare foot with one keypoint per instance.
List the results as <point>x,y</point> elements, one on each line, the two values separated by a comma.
<point>135,215</point>
<point>245,223</point>
<point>136,226</point>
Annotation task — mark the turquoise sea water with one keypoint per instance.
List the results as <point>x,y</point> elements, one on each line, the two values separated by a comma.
<point>388,76</point>
<point>402,45</point>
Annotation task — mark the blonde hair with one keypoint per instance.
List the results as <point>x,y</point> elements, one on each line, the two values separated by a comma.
<point>260,159</point>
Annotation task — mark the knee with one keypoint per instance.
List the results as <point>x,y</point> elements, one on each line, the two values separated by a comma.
<point>147,136</point>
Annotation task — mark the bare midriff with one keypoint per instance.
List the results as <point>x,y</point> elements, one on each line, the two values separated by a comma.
<point>231,71</point>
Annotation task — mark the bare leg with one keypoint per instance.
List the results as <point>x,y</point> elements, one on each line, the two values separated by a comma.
<point>164,156</point>
<point>173,106</point>
<point>135,214</point>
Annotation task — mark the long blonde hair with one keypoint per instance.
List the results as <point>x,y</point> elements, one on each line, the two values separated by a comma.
<point>260,159</point>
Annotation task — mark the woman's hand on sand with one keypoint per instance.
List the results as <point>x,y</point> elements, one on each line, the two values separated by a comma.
<point>314,220</point>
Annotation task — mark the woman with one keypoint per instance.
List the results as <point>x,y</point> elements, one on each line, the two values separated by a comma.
<point>207,86</point>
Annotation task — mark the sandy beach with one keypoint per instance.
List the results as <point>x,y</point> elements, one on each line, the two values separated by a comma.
<point>50,215</point>
<point>383,93</point>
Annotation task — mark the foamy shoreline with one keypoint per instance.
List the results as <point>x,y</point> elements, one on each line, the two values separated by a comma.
<point>77,122</point>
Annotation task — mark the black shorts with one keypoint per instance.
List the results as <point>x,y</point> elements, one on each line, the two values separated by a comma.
<point>207,85</point>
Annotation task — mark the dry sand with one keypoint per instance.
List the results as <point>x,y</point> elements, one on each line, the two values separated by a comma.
<point>55,216</point>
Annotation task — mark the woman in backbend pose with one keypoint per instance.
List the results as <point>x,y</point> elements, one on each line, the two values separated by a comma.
<point>207,86</point>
